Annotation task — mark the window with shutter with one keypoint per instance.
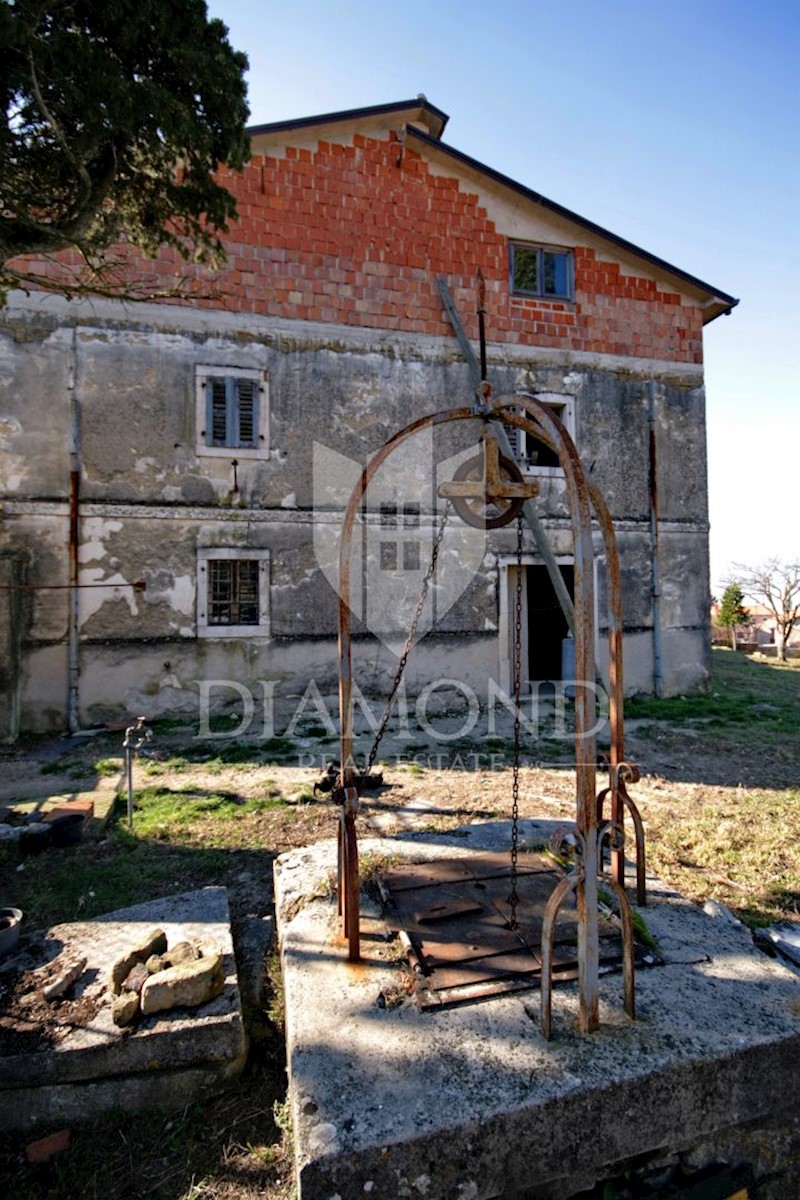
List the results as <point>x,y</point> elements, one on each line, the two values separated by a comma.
<point>232,412</point>
<point>532,455</point>
<point>247,394</point>
<point>217,430</point>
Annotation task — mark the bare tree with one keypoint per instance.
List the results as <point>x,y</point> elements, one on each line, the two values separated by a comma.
<point>776,585</point>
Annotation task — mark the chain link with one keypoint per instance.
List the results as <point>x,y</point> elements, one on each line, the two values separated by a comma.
<point>401,666</point>
<point>513,898</point>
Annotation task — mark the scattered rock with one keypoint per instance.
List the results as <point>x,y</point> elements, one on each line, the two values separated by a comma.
<point>135,979</point>
<point>715,908</point>
<point>189,984</point>
<point>18,1025</point>
<point>154,943</point>
<point>181,952</point>
<point>64,980</point>
<point>124,1008</point>
<point>155,963</point>
<point>45,1148</point>
<point>785,939</point>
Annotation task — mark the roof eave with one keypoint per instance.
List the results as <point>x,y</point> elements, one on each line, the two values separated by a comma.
<point>419,108</point>
<point>718,302</point>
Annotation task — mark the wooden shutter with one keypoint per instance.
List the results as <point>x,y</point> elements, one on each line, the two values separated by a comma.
<point>216,411</point>
<point>247,416</point>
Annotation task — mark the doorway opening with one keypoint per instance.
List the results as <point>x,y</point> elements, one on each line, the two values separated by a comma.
<point>547,625</point>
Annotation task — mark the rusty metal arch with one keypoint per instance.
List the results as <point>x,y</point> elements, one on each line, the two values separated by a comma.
<point>539,421</point>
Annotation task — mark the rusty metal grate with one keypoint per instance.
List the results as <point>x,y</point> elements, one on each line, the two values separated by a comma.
<point>454,916</point>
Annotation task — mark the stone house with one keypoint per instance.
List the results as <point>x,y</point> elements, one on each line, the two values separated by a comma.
<point>164,523</point>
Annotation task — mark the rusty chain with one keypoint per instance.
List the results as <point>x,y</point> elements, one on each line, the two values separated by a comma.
<point>513,898</point>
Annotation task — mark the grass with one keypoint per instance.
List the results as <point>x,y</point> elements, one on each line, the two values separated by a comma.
<point>745,851</point>
<point>192,828</point>
<point>763,697</point>
<point>740,842</point>
<point>233,1145</point>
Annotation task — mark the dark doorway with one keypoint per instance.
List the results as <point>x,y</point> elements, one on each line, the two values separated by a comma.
<point>547,625</point>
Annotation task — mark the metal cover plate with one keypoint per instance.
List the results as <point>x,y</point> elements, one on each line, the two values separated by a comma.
<point>468,950</point>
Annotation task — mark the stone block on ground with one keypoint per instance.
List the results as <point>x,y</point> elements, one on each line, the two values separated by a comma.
<point>154,942</point>
<point>160,1061</point>
<point>190,984</point>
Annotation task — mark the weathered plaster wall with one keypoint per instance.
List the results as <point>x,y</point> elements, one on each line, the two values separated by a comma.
<point>149,502</point>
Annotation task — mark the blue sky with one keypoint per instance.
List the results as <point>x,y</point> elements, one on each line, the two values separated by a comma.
<point>674,125</point>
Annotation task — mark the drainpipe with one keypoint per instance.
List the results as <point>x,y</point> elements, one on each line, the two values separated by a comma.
<point>73,663</point>
<point>655,582</point>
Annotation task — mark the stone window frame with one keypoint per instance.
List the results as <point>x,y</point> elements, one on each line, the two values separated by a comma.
<point>564,408</point>
<point>206,554</point>
<point>203,374</point>
<point>541,250</point>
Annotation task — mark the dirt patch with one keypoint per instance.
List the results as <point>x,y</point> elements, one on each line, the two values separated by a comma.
<point>28,1020</point>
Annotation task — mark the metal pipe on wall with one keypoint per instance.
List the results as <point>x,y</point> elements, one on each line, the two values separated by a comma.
<point>655,581</point>
<point>73,651</point>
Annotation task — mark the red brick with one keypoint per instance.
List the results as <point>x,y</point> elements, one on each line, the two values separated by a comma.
<point>42,1150</point>
<point>362,241</point>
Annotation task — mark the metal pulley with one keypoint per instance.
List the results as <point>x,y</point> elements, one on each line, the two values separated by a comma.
<point>488,490</point>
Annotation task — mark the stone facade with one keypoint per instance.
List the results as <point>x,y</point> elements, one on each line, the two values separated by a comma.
<point>330,312</point>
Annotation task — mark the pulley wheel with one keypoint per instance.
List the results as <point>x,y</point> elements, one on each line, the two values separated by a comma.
<point>480,512</point>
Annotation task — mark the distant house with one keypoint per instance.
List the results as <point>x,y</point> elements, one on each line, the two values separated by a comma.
<point>168,449</point>
<point>760,630</point>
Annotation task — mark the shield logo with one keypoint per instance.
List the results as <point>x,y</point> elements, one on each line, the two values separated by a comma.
<point>399,520</point>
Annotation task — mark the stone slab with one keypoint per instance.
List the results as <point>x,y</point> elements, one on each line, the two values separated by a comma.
<point>786,940</point>
<point>472,1103</point>
<point>102,800</point>
<point>208,1039</point>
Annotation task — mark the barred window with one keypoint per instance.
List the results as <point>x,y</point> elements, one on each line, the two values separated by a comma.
<point>232,592</point>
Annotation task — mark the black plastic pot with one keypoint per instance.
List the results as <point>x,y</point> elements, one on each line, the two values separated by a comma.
<point>67,830</point>
<point>33,841</point>
<point>10,921</point>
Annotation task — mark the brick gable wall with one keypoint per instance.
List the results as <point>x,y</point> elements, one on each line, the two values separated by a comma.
<point>356,234</point>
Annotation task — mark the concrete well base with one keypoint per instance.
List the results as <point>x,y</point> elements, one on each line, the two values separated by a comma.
<point>472,1103</point>
<point>162,1061</point>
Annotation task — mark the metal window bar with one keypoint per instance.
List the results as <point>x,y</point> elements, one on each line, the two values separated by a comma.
<point>233,592</point>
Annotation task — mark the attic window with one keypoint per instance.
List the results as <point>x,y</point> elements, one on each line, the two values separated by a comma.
<point>541,271</point>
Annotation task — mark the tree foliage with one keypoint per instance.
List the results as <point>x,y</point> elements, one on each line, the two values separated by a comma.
<point>117,115</point>
<point>776,585</point>
<point>732,612</point>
